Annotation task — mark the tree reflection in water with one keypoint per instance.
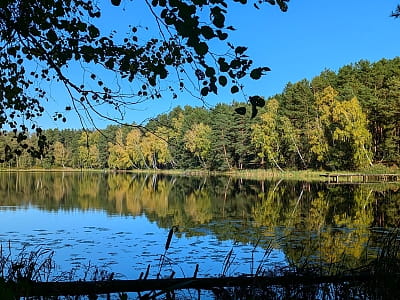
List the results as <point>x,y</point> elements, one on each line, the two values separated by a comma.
<point>308,221</point>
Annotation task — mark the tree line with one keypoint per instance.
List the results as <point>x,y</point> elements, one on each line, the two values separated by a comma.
<point>349,119</point>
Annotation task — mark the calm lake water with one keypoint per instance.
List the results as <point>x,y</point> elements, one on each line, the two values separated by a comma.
<point>120,222</point>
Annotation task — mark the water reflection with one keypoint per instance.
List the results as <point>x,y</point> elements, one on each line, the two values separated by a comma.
<point>304,220</point>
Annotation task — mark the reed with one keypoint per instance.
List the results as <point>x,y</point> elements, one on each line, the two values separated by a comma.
<point>377,278</point>
<point>163,257</point>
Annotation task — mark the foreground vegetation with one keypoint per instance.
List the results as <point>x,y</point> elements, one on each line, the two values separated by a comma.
<point>30,275</point>
<point>337,121</point>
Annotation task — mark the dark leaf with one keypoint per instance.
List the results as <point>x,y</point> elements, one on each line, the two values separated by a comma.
<point>210,72</point>
<point>222,80</point>
<point>93,31</point>
<point>258,72</point>
<point>257,101</point>
<point>240,50</point>
<point>207,32</point>
<point>222,35</point>
<point>201,48</point>
<point>234,89</point>
<point>241,110</point>
<point>116,2</point>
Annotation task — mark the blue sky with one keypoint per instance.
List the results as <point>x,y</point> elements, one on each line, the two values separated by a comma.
<point>311,36</point>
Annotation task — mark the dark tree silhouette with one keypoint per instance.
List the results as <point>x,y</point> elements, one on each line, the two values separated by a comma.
<point>40,40</point>
<point>396,12</point>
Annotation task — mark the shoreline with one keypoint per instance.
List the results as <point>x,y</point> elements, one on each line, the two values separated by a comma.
<point>256,174</point>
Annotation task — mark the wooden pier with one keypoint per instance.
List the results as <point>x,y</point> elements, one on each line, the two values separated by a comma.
<point>360,178</point>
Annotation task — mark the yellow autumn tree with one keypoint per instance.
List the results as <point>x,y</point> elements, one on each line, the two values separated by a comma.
<point>118,156</point>
<point>265,135</point>
<point>154,147</point>
<point>341,127</point>
<point>352,128</point>
<point>61,154</point>
<point>88,151</point>
<point>133,149</point>
<point>198,141</point>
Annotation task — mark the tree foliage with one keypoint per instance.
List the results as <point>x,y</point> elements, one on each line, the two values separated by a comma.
<point>198,141</point>
<point>40,41</point>
<point>344,120</point>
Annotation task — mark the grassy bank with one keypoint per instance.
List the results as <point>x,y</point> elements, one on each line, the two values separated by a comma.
<point>253,174</point>
<point>265,174</point>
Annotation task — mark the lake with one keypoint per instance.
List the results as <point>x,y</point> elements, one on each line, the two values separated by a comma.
<point>120,222</point>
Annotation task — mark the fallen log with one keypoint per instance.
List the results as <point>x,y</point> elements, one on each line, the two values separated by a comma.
<point>74,288</point>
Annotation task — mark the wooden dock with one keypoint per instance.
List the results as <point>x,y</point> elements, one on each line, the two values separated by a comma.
<point>360,178</point>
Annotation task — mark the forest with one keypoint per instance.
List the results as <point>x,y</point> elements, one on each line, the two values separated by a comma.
<point>343,120</point>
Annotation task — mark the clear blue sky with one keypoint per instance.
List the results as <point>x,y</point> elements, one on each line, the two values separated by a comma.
<point>311,36</point>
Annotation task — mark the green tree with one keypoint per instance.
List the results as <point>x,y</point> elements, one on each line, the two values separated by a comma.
<point>221,137</point>
<point>298,110</point>
<point>231,138</point>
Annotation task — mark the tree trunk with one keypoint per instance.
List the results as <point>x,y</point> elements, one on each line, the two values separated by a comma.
<point>276,164</point>
<point>30,289</point>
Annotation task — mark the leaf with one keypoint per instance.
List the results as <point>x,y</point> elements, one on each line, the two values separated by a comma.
<point>210,72</point>
<point>116,2</point>
<point>258,72</point>
<point>257,101</point>
<point>207,32</point>
<point>218,18</point>
<point>222,35</point>
<point>282,5</point>
<point>51,36</point>
<point>201,48</point>
<point>222,80</point>
<point>223,65</point>
<point>93,31</point>
<point>241,110</point>
<point>240,50</point>
<point>234,89</point>
<point>161,71</point>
